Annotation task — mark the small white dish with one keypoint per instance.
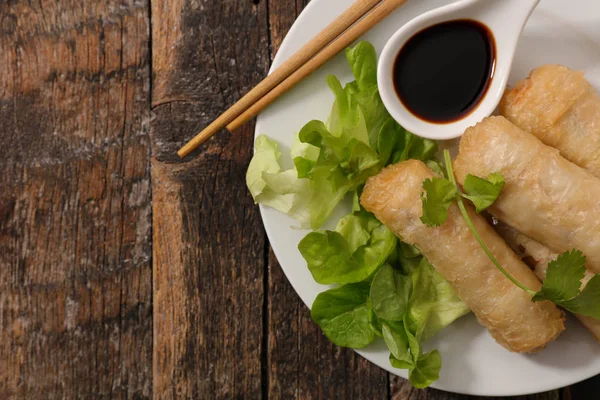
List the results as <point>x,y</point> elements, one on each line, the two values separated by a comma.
<point>505,19</point>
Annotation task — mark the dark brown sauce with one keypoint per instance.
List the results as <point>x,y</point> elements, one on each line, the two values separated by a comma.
<point>442,72</point>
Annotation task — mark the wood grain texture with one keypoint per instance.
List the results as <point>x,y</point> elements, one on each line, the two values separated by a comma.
<point>75,223</point>
<point>302,363</point>
<point>402,390</point>
<point>313,50</point>
<point>209,245</point>
<point>125,272</point>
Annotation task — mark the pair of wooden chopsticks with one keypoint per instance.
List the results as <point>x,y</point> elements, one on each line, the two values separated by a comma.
<point>334,38</point>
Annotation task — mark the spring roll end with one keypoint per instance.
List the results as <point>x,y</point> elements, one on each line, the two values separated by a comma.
<point>536,103</point>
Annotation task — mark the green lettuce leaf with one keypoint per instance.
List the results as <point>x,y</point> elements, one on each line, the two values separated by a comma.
<point>343,315</point>
<point>283,191</point>
<point>409,309</point>
<point>333,159</point>
<point>390,291</point>
<point>433,305</point>
<point>342,165</point>
<point>330,258</point>
<point>396,340</point>
<point>426,371</point>
<point>354,230</point>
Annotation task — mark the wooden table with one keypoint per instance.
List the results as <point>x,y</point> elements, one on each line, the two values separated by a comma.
<point>124,271</point>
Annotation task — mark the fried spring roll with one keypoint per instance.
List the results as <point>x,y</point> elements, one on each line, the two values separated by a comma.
<point>537,256</point>
<point>546,197</point>
<point>562,109</point>
<point>512,318</point>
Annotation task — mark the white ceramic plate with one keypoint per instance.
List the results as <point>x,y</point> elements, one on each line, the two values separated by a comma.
<point>564,32</point>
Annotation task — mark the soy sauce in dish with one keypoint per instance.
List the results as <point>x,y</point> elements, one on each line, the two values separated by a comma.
<point>442,72</point>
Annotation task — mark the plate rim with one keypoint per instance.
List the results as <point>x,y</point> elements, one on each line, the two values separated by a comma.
<point>277,60</point>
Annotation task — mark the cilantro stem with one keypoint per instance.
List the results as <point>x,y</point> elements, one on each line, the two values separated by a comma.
<point>465,214</point>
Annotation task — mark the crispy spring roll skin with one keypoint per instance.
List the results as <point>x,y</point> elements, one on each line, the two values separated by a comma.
<point>537,256</point>
<point>569,122</point>
<point>507,311</point>
<point>546,197</point>
<point>562,109</point>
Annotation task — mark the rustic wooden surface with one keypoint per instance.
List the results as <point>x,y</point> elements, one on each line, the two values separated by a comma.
<point>124,271</point>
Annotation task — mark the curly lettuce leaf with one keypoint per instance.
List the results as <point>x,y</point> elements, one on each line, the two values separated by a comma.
<point>334,159</point>
<point>342,165</point>
<point>283,191</point>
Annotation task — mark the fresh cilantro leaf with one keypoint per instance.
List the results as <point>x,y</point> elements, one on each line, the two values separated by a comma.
<point>440,194</point>
<point>588,302</point>
<point>563,278</point>
<point>483,192</point>
<point>563,282</point>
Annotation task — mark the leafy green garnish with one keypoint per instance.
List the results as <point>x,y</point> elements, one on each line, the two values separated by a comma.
<point>343,315</point>
<point>350,254</point>
<point>429,304</point>
<point>434,303</point>
<point>563,278</point>
<point>390,292</point>
<point>284,191</point>
<point>440,193</point>
<point>588,301</point>
<point>396,339</point>
<point>329,259</point>
<point>427,370</point>
<point>379,275</point>
<point>396,144</point>
<point>483,192</point>
<point>563,283</point>
<point>333,159</point>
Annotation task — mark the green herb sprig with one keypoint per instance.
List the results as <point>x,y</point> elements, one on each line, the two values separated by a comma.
<point>562,285</point>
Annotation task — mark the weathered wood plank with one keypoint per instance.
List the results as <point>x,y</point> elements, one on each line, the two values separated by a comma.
<point>303,364</point>
<point>402,390</point>
<point>75,273</point>
<point>209,246</point>
<point>588,389</point>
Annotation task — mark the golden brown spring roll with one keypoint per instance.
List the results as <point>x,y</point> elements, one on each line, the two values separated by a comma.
<point>545,196</point>
<point>507,311</point>
<point>562,109</point>
<point>537,256</point>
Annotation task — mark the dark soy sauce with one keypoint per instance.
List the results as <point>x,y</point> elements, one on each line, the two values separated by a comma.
<point>443,71</point>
